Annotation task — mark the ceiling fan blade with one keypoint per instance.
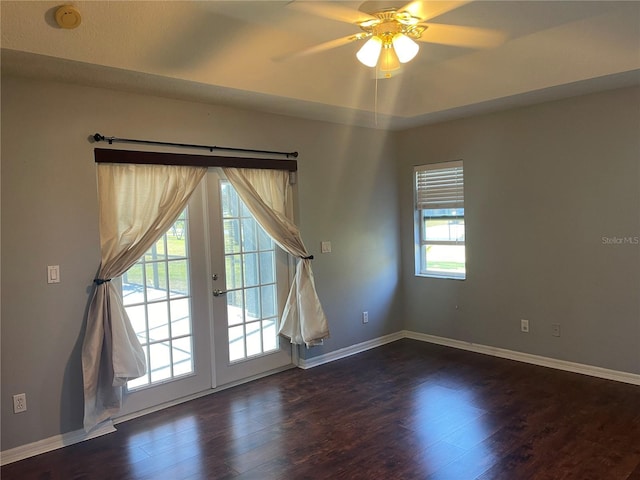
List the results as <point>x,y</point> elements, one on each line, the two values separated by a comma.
<point>459,36</point>
<point>333,11</point>
<point>426,10</point>
<point>321,47</point>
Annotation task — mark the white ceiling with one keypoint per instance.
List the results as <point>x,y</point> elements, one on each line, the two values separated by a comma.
<point>240,53</point>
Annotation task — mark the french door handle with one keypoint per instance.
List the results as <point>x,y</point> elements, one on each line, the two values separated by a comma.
<point>217,292</point>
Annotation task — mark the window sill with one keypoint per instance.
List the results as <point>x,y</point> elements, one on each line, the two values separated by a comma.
<point>443,276</point>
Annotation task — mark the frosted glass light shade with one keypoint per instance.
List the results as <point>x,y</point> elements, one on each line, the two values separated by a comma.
<point>389,60</point>
<point>405,48</point>
<point>370,51</point>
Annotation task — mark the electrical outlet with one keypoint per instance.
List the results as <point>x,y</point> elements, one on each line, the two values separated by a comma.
<point>20,403</point>
<point>555,329</point>
<point>524,325</point>
<point>365,317</point>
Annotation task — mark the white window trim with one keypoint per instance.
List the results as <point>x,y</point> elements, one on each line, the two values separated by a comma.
<point>440,203</point>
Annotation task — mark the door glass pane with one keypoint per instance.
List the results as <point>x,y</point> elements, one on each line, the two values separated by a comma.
<point>267,267</point>
<point>252,304</point>
<point>268,301</point>
<point>250,269</point>
<point>253,337</point>
<point>162,326</point>
<point>229,201</point>
<point>249,239</point>
<point>180,317</point>
<point>236,343</point>
<point>231,235</point>
<point>158,321</point>
<point>156,280</point>
<point>182,356</point>
<point>160,359</point>
<point>235,307</point>
<point>233,269</point>
<point>176,244</point>
<point>178,278</point>
<point>269,334</point>
<point>250,280</point>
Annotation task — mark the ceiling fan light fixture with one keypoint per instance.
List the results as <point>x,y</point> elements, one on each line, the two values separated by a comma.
<point>370,51</point>
<point>389,62</point>
<point>405,48</point>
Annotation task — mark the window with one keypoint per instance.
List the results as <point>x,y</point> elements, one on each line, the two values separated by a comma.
<point>439,220</point>
<point>155,292</point>
<point>250,268</point>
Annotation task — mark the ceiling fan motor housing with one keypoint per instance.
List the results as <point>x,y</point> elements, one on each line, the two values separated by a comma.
<point>389,23</point>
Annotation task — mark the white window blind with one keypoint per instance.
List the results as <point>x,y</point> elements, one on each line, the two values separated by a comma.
<point>440,185</point>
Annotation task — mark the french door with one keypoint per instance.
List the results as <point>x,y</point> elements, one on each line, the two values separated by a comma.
<point>205,301</point>
<point>249,295</point>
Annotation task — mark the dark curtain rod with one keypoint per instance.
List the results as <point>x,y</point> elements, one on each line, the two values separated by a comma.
<point>101,138</point>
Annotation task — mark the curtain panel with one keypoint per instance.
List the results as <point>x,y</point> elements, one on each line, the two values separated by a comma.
<point>267,194</point>
<point>138,204</point>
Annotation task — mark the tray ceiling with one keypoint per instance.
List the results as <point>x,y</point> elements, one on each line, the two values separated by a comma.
<point>239,53</point>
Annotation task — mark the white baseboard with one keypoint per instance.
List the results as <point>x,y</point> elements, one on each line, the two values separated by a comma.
<point>581,368</point>
<point>348,351</point>
<point>53,443</point>
<point>573,367</point>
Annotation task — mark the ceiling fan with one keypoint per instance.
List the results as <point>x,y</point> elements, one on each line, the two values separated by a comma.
<point>392,31</point>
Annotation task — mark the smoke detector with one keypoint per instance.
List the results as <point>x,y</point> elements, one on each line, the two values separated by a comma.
<point>68,17</point>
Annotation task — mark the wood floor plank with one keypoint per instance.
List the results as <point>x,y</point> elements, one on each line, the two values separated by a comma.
<point>406,410</point>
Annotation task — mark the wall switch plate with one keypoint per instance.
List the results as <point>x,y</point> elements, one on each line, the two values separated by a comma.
<point>53,274</point>
<point>20,403</point>
<point>524,325</point>
<point>555,329</point>
<point>365,317</point>
<point>325,247</point>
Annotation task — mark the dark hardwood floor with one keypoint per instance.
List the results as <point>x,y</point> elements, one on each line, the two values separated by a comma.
<point>407,410</point>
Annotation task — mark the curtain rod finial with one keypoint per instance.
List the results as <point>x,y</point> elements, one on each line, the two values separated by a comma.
<point>97,137</point>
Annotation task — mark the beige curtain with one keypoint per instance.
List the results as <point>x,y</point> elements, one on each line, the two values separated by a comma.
<point>138,204</point>
<point>267,194</point>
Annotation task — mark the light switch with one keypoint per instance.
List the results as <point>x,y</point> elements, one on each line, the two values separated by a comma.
<point>53,274</point>
<point>325,247</point>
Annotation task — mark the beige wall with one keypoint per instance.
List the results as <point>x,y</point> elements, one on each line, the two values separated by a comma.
<point>543,186</point>
<point>347,195</point>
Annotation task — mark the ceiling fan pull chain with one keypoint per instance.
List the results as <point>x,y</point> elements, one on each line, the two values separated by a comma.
<point>375,99</point>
